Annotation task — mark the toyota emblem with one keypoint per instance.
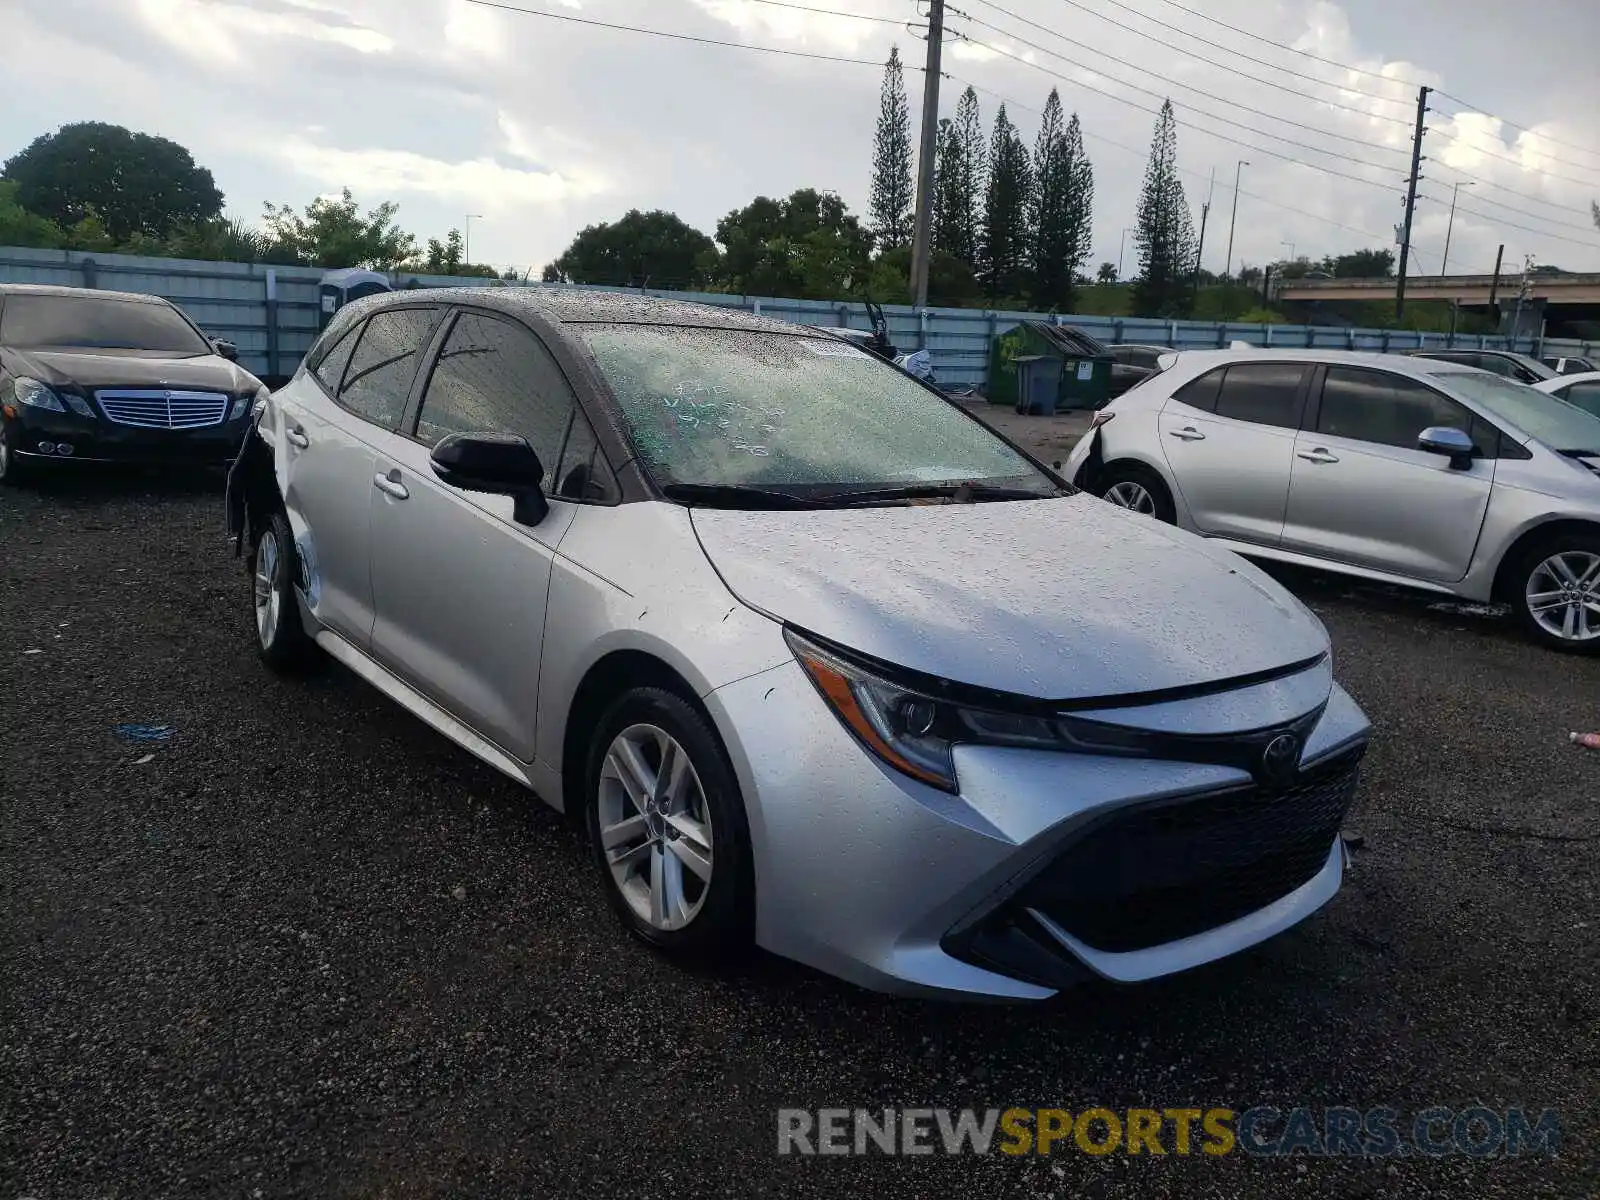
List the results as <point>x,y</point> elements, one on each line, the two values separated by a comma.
<point>1280,759</point>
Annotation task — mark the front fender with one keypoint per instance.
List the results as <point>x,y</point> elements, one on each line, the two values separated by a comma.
<point>252,483</point>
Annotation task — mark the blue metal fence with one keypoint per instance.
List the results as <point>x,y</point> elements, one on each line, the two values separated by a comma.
<point>271,314</point>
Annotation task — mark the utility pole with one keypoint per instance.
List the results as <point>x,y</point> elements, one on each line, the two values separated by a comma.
<point>922,236</point>
<point>1494,284</point>
<point>1205,211</point>
<point>1227,267</point>
<point>1522,296</point>
<point>1411,201</point>
<point>1450,228</point>
<point>1122,247</point>
<point>466,238</point>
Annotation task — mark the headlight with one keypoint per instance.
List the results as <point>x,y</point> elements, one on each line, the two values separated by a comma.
<point>36,395</point>
<point>253,403</point>
<point>915,732</point>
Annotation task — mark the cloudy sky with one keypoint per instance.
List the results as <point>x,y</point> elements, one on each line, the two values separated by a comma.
<point>543,126</point>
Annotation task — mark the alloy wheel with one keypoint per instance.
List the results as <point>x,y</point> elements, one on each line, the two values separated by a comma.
<point>655,827</point>
<point>1131,495</point>
<point>1563,595</point>
<point>268,595</point>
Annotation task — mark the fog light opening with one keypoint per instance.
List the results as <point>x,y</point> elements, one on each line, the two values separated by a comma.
<point>64,448</point>
<point>47,447</point>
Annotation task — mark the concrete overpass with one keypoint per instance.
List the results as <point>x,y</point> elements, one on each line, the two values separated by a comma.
<point>1471,291</point>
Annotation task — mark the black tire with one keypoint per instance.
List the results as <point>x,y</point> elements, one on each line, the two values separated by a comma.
<point>14,471</point>
<point>1527,564</point>
<point>1141,476</point>
<point>282,641</point>
<point>721,929</point>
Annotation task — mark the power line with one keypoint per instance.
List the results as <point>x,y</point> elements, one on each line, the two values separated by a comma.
<point>1189,124</point>
<point>828,12</point>
<point>1150,37</point>
<point>1467,104</point>
<point>677,37</point>
<point>1499,221</point>
<point>1137,153</point>
<point>1260,62</point>
<point>1373,74</point>
<point>1533,216</point>
<point>1458,140</point>
<point>1362,142</point>
<point>1410,83</point>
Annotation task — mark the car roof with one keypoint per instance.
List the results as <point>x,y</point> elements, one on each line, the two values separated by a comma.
<point>1404,364</point>
<point>564,306</point>
<point>1550,385</point>
<point>41,289</point>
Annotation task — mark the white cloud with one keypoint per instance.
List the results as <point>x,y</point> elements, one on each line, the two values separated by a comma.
<point>480,181</point>
<point>215,33</point>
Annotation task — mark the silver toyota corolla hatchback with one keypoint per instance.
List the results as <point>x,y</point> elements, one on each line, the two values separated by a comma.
<point>820,662</point>
<point>1401,469</point>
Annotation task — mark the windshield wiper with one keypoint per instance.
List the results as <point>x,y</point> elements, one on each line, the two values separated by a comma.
<point>728,495</point>
<point>959,493</point>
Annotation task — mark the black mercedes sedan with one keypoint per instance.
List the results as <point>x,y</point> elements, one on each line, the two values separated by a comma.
<point>92,376</point>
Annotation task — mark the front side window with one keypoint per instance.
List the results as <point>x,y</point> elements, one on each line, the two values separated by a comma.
<point>1262,393</point>
<point>378,380</point>
<point>97,323</point>
<point>1555,422</point>
<point>1374,406</point>
<point>734,408</point>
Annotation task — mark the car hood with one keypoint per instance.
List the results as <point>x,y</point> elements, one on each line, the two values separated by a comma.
<point>1058,599</point>
<point>89,370</point>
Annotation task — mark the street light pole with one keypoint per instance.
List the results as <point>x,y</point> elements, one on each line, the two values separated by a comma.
<point>1121,247</point>
<point>1450,228</point>
<point>466,239</point>
<point>1291,249</point>
<point>1227,267</point>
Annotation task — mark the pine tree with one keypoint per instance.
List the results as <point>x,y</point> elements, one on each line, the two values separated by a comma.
<point>975,177</point>
<point>1079,223</point>
<point>892,190</point>
<point>1164,233</point>
<point>950,194</point>
<point>1007,203</point>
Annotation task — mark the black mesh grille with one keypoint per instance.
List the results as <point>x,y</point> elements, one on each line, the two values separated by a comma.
<point>1161,872</point>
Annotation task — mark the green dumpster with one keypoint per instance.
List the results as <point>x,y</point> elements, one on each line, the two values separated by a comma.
<point>1085,378</point>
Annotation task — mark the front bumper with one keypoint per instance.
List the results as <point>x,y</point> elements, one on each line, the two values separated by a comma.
<point>871,876</point>
<point>97,440</point>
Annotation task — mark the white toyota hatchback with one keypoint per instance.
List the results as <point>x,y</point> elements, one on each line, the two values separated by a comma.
<point>819,660</point>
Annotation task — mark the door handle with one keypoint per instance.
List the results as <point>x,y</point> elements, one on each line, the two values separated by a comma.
<point>297,437</point>
<point>390,485</point>
<point>1319,455</point>
<point>1188,434</point>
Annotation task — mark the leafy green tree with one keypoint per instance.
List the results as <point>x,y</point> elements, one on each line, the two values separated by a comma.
<point>892,190</point>
<point>951,282</point>
<point>1363,264</point>
<point>333,233</point>
<point>807,245</point>
<point>1107,273</point>
<point>640,249</point>
<point>19,227</point>
<point>1003,263</point>
<point>1164,230</point>
<point>132,182</point>
<point>449,258</point>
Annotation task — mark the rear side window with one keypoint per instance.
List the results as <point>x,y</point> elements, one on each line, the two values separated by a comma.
<point>1201,393</point>
<point>1374,406</point>
<point>330,367</point>
<point>1262,393</point>
<point>1585,395</point>
<point>378,379</point>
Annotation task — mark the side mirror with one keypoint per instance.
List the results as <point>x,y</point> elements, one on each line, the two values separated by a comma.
<point>1449,441</point>
<point>500,464</point>
<point>227,349</point>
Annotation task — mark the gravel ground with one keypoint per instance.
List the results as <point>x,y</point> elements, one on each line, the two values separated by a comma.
<point>306,947</point>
